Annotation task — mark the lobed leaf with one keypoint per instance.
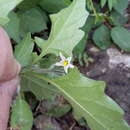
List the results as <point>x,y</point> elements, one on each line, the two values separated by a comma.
<point>89,101</point>
<point>65,33</point>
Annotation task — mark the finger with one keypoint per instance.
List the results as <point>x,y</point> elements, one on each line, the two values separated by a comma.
<point>7,90</point>
<point>9,67</point>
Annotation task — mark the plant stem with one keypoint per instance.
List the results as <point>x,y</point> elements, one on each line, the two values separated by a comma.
<point>94,10</point>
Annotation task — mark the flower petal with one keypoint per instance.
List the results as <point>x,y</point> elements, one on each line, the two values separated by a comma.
<point>71,66</point>
<point>69,59</point>
<point>62,57</point>
<point>66,69</point>
<point>58,64</point>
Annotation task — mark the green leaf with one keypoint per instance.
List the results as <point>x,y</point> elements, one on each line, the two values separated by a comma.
<point>6,6</point>
<point>121,37</point>
<point>23,51</point>
<point>55,107</point>
<point>103,2</point>
<point>53,6</point>
<point>102,37</point>
<point>80,47</point>
<point>118,19</point>
<point>121,5</point>
<point>48,61</point>
<point>89,101</point>
<point>33,20</point>
<point>44,90</point>
<point>110,4</point>
<point>28,4</point>
<point>40,42</point>
<point>67,2</point>
<point>21,117</point>
<point>65,32</point>
<point>13,27</point>
<point>40,88</point>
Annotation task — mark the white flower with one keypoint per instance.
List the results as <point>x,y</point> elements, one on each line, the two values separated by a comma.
<point>65,62</point>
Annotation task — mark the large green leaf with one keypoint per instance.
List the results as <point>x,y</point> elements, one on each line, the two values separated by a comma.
<point>23,51</point>
<point>65,32</point>
<point>121,37</point>
<point>6,6</point>
<point>89,101</point>
<point>21,117</point>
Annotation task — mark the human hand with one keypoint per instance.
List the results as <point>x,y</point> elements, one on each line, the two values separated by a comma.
<point>9,80</point>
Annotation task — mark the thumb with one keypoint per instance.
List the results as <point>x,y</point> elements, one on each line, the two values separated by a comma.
<point>9,67</point>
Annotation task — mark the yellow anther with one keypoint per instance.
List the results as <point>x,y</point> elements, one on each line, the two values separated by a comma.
<point>65,63</point>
